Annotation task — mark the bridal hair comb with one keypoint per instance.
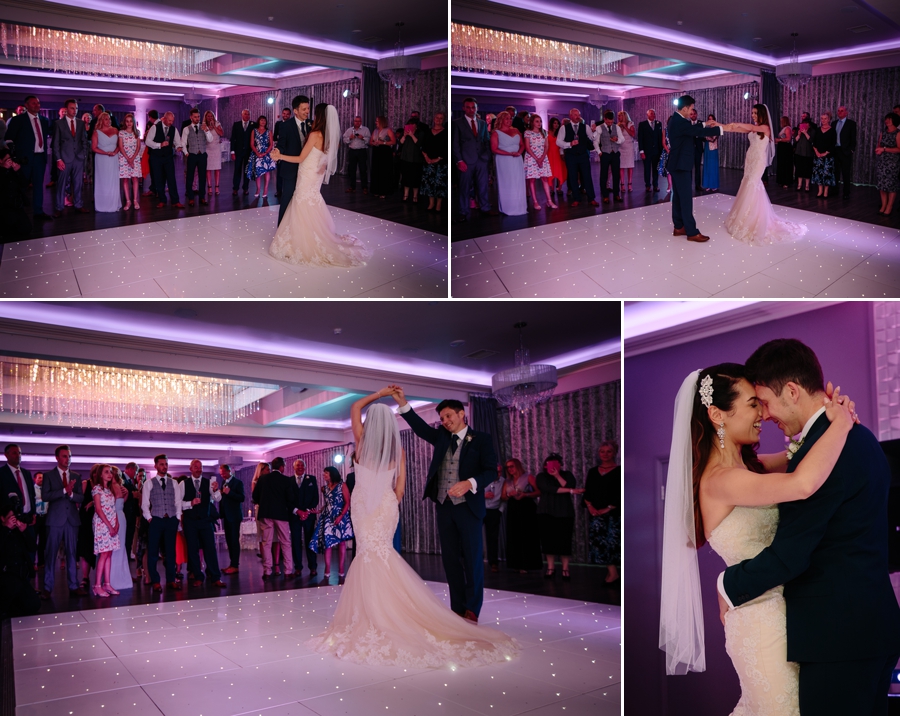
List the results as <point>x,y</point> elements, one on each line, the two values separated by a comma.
<point>706,391</point>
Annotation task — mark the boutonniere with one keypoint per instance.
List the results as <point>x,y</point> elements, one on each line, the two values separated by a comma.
<point>793,447</point>
<point>469,438</point>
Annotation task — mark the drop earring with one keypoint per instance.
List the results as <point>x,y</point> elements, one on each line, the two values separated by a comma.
<point>721,433</point>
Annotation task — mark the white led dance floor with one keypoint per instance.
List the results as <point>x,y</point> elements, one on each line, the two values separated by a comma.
<point>221,256</point>
<point>632,254</point>
<point>245,655</point>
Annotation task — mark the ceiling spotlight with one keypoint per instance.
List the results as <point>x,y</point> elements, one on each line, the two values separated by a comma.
<point>271,100</point>
<point>337,331</point>
<point>675,101</point>
<point>338,459</point>
<point>746,95</point>
<point>345,93</point>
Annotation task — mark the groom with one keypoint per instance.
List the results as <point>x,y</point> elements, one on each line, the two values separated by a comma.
<point>462,466</point>
<point>291,138</point>
<point>829,552</point>
<point>680,164</point>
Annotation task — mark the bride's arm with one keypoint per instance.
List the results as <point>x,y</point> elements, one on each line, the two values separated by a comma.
<point>747,128</point>
<point>401,477</point>
<point>356,408</point>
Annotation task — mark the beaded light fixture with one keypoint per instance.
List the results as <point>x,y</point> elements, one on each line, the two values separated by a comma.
<point>112,398</point>
<point>526,385</point>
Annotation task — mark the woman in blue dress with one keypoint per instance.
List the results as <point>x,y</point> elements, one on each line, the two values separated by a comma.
<point>664,160</point>
<point>333,527</point>
<point>261,164</point>
<point>711,161</point>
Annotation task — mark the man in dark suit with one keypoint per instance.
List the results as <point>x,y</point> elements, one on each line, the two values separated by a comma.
<point>28,131</point>
<point>462,466</point>
<point>70,150</point>
<point>232,515</point>
<point>698,153</point>
<point>96,112</point>
<point>161,141</point>
<point>829,551</point>
<point>471,150</point>
<point>63,493</point>
<point>681,158</point>
<point>843,152</point>
<point>650,144</point>
<point>576,140</point>
<point>276,495</point>
<point>131,506</point>
<point>241,134</point>
<point>16,481</point>
<point>303,522</point>
<point>197,525</point>
<point>291,139</point>
<point>276,132</point>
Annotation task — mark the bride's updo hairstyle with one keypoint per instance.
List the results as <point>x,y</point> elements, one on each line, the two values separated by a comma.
<point>725,379</point>
<point>762,117</point>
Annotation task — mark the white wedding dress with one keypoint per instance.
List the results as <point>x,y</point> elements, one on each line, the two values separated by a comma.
<point>306,235</point>
<point>752,219</point>
<point>386,614</point>
<point>756,632</point>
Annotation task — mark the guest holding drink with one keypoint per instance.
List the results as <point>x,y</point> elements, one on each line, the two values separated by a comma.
<point>261,164</point>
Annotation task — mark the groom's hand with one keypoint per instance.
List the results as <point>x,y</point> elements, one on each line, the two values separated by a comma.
<point>460,489</point>
<point>398,394</point>
<point>829,392</point>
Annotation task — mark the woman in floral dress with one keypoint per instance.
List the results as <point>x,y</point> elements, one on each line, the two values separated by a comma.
<point>602,497</point>
<point>887,165</point>
<point>537,160</point>
<point>333,527</point>
<point>106,527</point>
<point>261,164</point>
<point>663,169</point>
<point>130,150</point>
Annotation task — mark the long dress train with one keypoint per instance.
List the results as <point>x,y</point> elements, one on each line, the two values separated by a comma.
<point>386,614</point>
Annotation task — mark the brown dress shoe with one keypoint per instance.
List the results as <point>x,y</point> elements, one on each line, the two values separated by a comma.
<point>219,583</point>
<point>470,615</point>
<point>606,200</point>
<point>172,585</point>
<point>594,202</point>
<point>680,232</point>
<point>191,202</point>
<point>179,205</point>
<point>574,203</point>
<point>157,587</point>
<point>197,583</point>
<point>699,238</point>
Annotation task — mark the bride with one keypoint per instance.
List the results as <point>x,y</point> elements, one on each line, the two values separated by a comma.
<point>306,234</point>
<point>386,614</point>
<point>752,219</point>
<point>719,490</point>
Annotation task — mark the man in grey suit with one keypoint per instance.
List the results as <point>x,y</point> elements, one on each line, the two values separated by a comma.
<point>69,150</point>
<point>63,494</point>
<point>471,154</point>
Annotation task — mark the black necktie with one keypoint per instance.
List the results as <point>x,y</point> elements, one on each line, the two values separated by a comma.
<point>454,442</point>
<point>162,483</point>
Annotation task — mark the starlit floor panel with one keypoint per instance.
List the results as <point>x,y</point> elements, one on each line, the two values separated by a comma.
<point>221,256</point>
<point>632,254</point>
<point>246,655</point>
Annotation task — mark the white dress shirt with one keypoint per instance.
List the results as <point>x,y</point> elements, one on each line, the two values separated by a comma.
<point>561,135</point>
<point>148,487</point>
<point>151,142</point>
<point>43,142</point>
<point>461,434</point>
<point>357,143</point>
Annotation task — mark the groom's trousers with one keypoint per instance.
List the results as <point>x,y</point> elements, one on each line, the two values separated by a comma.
<point>462,552</point>
<point>846,687</point>
<point>682,202</point>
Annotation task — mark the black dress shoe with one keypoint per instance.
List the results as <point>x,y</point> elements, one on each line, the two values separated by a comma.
<point>267,577</point>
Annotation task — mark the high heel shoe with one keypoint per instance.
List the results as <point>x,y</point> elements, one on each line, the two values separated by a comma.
<point>551,205</point>
<point>537,207</point>
<point>548,575</point>
<point>127,206</point>
<point>217,189</point>
<point>629,187</point>
<point>136,205</point>
<point>98,592</point>
<point>107,587</point>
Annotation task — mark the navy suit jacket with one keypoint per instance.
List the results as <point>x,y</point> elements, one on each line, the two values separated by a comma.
<point>681,141</point>
<point>240,140</point>
<point>276,494</point>
<point>62,509</point>
<point>291,143</point>
<point>476,459</point>
<point>230,506</point>
<point>20,132</point>
<point>830,553</point>
<point>9,485</point>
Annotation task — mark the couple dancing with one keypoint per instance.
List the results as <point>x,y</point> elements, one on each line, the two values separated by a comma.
<point>751,219</point>
<point>386,614</point>
<point>812,625</point>
<point>306,232</point>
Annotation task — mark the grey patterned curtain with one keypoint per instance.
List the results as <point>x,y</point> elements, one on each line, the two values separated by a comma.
<point>428,94</point>
<point>229,108</point>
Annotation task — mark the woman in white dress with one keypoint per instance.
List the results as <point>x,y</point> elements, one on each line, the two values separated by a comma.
<point>719,490</point>
<point>752,219</point>
<point>386,614</point>
<point>105,145</point>
<point>119,570</point>
<point>508,145</point>
<point>214,133</point>
<point>306,234</point>
<point>626,150</point>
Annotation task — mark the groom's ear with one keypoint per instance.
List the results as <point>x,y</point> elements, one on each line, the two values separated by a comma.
<point>792,392</point>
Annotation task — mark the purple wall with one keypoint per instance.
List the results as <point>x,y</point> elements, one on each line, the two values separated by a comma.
<point>842,336</point>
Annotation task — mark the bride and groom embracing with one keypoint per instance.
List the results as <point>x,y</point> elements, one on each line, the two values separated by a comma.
<point>812,625</point>
<point>386,614</point>
<point>306,233</point>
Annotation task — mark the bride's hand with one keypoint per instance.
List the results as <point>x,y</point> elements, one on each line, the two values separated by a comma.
<point>276,154</point>
<point>385,392</point>
<point>829,391</point>
<point>398,394</point>
<point>837,409</point>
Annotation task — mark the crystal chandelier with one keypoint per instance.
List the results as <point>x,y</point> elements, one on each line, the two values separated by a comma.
<point>95,396</point>
<point>794,74</point>
<point>399,69</point>
<point>77,53</point>
<point>526,385</point>
<point>480,49</point>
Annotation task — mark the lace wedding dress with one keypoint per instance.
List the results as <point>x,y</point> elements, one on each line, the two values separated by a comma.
<point>386,614</point>
<point>306,234</point>
<point>752,219</point>
<point>756,632</point>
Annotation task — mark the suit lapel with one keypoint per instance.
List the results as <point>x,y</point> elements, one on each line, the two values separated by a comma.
<point>815,432</point>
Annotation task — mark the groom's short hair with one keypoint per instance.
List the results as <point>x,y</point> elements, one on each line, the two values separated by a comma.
<point>784,360</point>
<point>298,100</point>
<point>685,101</point>
<point>452,404</point>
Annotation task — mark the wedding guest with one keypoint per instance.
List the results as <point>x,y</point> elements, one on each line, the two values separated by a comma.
<point>711,161</point>
<point>147,167</point>
<point>95,118</point>
<point>521,121</point>
<point>161,506</point>
<point>845,146</point>
<point>784,154</point>
<point>411,160</point>
<point>577,140</point>
<point>508,145</point>
<point>523,539</point>
<point>602,498</point>
<point>28,131</point>
<point>69,151</point>
<point>663,169</point>
<point>84,547</point>
<point>40,524</point>
<point>650,145</point>
<point>260,164</point>
<point>813,127</point>
<point>823,165</point>
<point>132,504</point>
<point>334,528</point>
<point>492,517</point>
<point>382,142</point>
<point>193,142</point>
<point>119,572</point>
<point>214,133</point>
<point>196,510</point>
<point>232,515</point>
<point>141,531</point>
<point>16,224</point>
<point>554,154</point>
<point>556,513</point>
<point>105,145</point>
<point>241,154</point>
<point>357,140</point>
<point>626,150</point>
<point>276,133</point>
<point>17,595</point>
<point>64,494</point>
<point>608,138</point>
<point>698,153</point>
<point>471,151</point>
<point>303,522</point>
<point>276,496</point>
<point>537,161</point>
<point>887,163</point>
<point>106,524</point>
<point>161,144</point>
<point>804,153</point>
<point>130,150</point>
<point>434,152</point>
<point>262,468</point>
<point>16,481</point>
